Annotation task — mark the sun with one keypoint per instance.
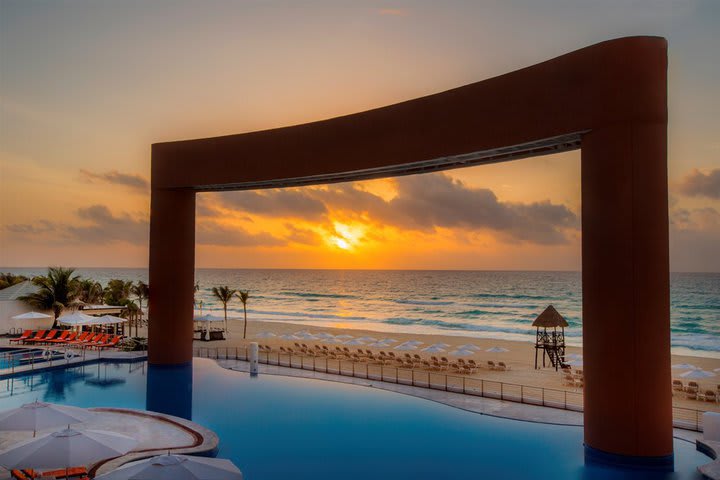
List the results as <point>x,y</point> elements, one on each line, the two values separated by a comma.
<point>346,237</point>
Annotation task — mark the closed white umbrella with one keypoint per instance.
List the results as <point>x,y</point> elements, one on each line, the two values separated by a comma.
<point>462,353</point>
<point>433,349</point>
<point>31,316</point>
<point>40,416</point>
<point>176,467</point>
<point>76,319</point>
<point>66,448</point>
<point>697,373</point>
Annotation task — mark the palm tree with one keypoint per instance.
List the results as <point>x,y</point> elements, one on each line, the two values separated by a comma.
<point>131,311</point>
<point>10,279</point>
<point>58,289</point>
<point>224,294</point>
<point>117,292</point>
<point>141,292</point>
<point>243,296</point>
<point>89,291</point>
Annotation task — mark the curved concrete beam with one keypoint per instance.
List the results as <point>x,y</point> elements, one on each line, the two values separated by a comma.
<point>608,99</point>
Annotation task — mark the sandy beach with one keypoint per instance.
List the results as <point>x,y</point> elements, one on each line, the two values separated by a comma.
<point>520,356</point>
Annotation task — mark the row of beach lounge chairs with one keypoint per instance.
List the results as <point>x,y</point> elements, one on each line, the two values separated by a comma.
<point>68,338</point>
<point>74,473</point>
<point>693,391</point>
<point>410,361</point>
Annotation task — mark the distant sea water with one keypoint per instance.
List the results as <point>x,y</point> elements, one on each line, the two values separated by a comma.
<point>487,304</point>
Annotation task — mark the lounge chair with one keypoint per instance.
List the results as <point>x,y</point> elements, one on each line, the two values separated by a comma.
<point>678,386</point>
<point>503,367</point>
<point>491,365</point>
<point>691,395</point>
<point>692,387</point>
<point>473,364</point>
<point>710,396</point>
<point>38,336</point>
<point>100,341</point>
<point>25,335</point>
<point>62,338</point>
<point>113,342</point>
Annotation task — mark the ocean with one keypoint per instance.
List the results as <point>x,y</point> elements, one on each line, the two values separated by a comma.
<point>487,304</point>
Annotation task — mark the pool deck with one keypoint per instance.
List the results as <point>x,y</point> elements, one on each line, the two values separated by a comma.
<point>156,433</point>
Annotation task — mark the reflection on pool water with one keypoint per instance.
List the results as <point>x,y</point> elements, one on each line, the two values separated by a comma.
<point>279,427</point>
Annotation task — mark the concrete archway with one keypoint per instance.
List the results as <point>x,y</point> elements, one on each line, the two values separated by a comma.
<point>609,100</point>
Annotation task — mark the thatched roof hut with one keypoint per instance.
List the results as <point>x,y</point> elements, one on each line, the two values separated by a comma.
<point>550,318</point>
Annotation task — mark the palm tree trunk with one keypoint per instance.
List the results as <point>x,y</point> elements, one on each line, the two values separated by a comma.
<point>225,309</point>
<point>245,325</point>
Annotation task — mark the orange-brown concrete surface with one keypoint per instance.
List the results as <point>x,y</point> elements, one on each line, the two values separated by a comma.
<point>613,95</point>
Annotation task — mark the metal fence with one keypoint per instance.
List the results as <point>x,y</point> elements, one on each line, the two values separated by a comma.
<point>685,418</point>
<point>36,357</point>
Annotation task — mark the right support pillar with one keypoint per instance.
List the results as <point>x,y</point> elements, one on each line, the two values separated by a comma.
<point>626,296</point>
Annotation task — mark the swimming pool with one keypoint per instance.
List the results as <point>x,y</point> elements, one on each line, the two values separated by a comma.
<point>280,427</point>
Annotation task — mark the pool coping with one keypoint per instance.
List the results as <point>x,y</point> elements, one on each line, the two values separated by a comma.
<point>205,441</point>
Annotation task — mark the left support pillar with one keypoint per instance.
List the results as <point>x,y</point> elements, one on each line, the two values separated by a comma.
<point>172,272</point>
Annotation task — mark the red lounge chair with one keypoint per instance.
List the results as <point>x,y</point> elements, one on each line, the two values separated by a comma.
<point>96,341</point>
<point>112,343</point>
<point>51,335</point>
<point>82,338</point>
<point>74,473</point>
<point>66,337</point>
<point>38,336</point>
<point>61,338</point>
<point>26,334</point>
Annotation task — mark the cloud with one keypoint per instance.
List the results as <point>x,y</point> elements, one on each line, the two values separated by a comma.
<point>113,177</point>
<point>422,203</point>
<point>694,239</point>
<point>213,233</point>
<point>302,235</point>
<point>103,227</point>
<point>275,203</point>
<point>699,184</point>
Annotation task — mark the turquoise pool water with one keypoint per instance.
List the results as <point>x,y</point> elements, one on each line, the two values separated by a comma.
<point>280,428</point>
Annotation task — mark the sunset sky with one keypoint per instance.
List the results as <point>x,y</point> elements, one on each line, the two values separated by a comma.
<point>87,86</point>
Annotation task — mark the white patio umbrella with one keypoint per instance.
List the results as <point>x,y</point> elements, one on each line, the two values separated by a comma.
<point>697,373</point>
<point>378,344</point>
<point>344,336</point>
<point>176,467</point>
<point>405,346</point>
<point>333,340</point>
<point>289,336</point>
<point>324,335</point>
<point>40,416</point>
<point>442,345</point>
<point>356,341</point>
<point>66,448</point>
<point>462,353</point>
<point>468,346</point>
<point>76,319</point>
<point>575,363</point>
<point>387,340</point>
<point>434,349</point>
<point>110,320</point>
<point>414,342</point>
<point>31,316</point>
<point>497,350</point>
<point>684,366</point>
<point>265,335</point>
